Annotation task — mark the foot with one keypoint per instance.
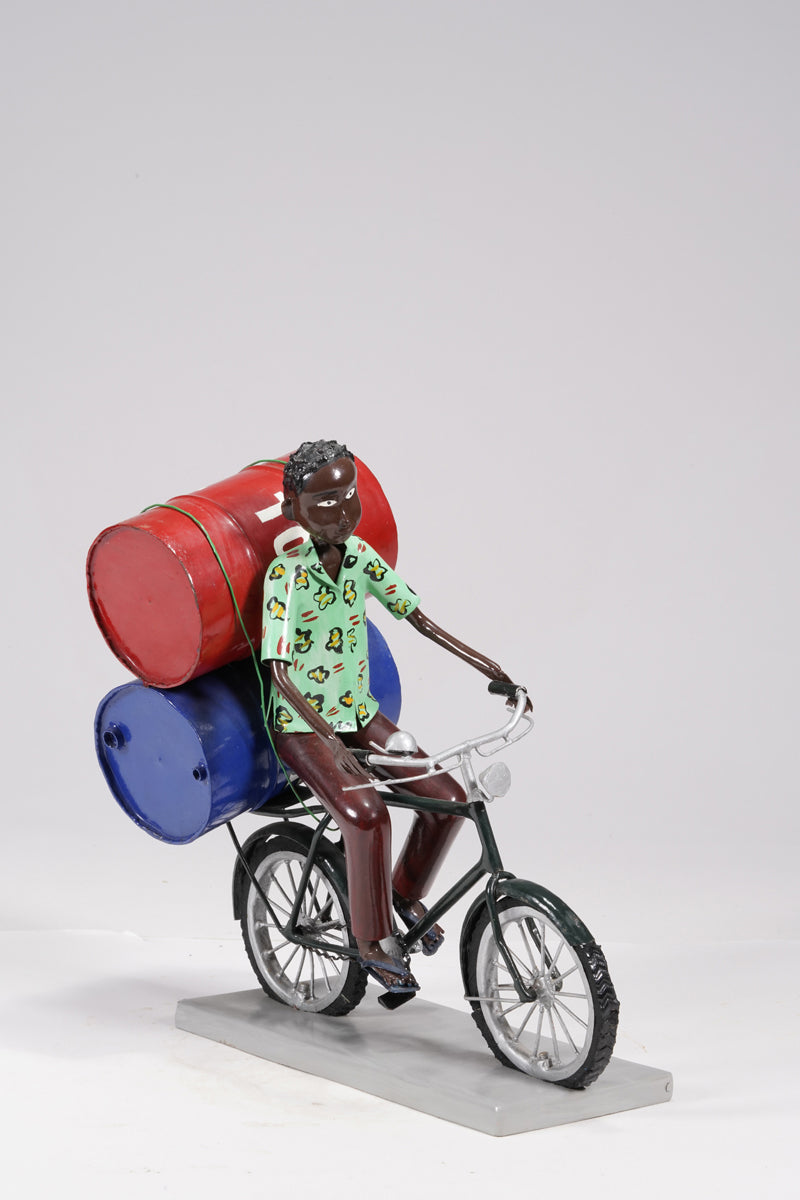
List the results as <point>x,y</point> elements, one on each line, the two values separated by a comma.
<point>392,973</point>
<point>411,911</point>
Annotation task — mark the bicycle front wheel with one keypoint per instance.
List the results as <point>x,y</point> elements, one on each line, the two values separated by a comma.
<point>566,1033</point>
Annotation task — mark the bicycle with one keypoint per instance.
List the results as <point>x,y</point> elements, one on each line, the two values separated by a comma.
<point>537,982</point>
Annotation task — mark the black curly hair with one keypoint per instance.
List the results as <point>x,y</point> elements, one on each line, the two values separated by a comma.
<point>308,459</point>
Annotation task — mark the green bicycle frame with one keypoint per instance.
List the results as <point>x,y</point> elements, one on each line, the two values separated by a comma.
<point>501,884</point>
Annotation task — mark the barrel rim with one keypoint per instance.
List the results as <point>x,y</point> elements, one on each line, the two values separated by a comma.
<point>130,526</point>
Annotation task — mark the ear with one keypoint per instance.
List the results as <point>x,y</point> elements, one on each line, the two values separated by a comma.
<point>287,508</point>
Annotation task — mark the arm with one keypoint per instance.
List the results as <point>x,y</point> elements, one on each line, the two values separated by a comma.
<point>430,629</point>
<point>284,686</point>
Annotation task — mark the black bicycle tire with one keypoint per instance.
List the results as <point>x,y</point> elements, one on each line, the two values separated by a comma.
<point>599,987</point>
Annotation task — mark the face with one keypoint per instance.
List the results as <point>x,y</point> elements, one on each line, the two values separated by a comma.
<point>328,506</point>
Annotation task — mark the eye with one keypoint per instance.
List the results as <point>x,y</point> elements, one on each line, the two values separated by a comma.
<point>350,494</point>
<point>325,503</point>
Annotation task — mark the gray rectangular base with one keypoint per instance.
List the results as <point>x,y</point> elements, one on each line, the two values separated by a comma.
<point>423,1055</point>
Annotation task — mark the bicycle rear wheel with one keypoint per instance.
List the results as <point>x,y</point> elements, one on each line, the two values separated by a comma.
<point>314,980</point>
<point>564,1035</point>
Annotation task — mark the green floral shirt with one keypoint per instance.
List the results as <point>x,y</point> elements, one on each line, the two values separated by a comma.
<point>319,627</point>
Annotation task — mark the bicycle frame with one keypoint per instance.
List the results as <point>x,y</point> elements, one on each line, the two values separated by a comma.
<point>489,863</point>
<point>500,882</point>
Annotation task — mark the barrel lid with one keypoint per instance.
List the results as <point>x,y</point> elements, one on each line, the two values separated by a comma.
<point>132,574</point>
<point>154,763</point>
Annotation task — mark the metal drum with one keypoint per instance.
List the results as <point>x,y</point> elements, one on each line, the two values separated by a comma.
<point>182,760</point>
<point>158,591</point>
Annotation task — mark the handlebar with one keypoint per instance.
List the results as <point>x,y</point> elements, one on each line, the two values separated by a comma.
<point>447,759</point>
<point>499,687</point>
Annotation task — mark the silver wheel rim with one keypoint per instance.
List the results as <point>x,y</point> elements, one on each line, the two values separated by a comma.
<point>302,978</point>
<point>551,1036</point>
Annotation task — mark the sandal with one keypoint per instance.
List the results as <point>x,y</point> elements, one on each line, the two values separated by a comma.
<point>400,980</point>
<point>430,941</point>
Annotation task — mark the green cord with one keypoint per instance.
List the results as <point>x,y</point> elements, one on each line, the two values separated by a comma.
<point>253,655</point>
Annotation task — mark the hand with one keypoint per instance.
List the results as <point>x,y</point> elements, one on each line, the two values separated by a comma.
<point>500,676</point>
<point>347,763</point>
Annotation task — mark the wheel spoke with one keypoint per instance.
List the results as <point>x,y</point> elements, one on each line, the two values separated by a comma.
<point>566,1031</point>
<point>314,890</point>
<point>570,1013</point>
<point>555,1039</point>
<point>283,892</point>
<point>293,881</point>
<point>280,946</point>
<point>291,956</point>
<point>538,1032</point>
<point>285,912</point>
<point>300,968</point>
<point>521,1029</point>
<point>504,1012</point>
<point>499,961</point>
<point>310,905</point>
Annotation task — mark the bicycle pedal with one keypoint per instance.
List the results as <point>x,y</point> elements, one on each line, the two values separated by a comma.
<point>393,1000</point>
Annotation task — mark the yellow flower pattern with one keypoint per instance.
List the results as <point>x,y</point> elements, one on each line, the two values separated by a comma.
<point>324,597</point>
<point>283,718</point>
<point>335,642</point>
<point>276,609</point>
<point>303,641</point>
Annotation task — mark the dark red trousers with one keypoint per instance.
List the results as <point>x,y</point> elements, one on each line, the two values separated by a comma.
<point>363,820</point>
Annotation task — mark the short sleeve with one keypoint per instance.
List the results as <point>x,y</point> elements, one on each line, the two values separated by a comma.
<point>393,592</point>
<point>276,642</point>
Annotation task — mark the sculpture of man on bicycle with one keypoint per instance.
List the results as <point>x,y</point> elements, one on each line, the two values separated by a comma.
<point>315,640</point>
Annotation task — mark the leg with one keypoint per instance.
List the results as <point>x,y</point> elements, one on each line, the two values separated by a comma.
<point>364,823</point>
<point>431,834</point>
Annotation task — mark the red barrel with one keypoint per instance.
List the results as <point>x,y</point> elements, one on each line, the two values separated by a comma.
<point>157,590</point>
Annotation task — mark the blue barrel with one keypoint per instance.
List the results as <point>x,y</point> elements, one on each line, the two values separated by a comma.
<point>180,761</point>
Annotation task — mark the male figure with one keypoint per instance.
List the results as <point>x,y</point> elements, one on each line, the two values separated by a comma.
<point>315,638</point>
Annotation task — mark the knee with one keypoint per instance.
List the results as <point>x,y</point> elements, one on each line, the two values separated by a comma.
<point>367,812</point>
<point>448,788</point>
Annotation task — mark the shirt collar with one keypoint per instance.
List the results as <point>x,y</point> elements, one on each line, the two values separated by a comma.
<point>308,554</point>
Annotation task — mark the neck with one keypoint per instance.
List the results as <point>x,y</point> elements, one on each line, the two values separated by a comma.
<point>330,555</point>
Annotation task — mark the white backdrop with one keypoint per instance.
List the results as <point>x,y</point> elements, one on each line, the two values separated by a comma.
<point>537,265</point>
<point>540,271</point>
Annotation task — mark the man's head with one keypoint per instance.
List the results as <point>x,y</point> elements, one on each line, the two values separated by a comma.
<point>319,483</point>
<point>307,459</point>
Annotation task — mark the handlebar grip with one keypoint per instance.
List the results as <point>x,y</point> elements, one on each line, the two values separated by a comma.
<point>498,688</point>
